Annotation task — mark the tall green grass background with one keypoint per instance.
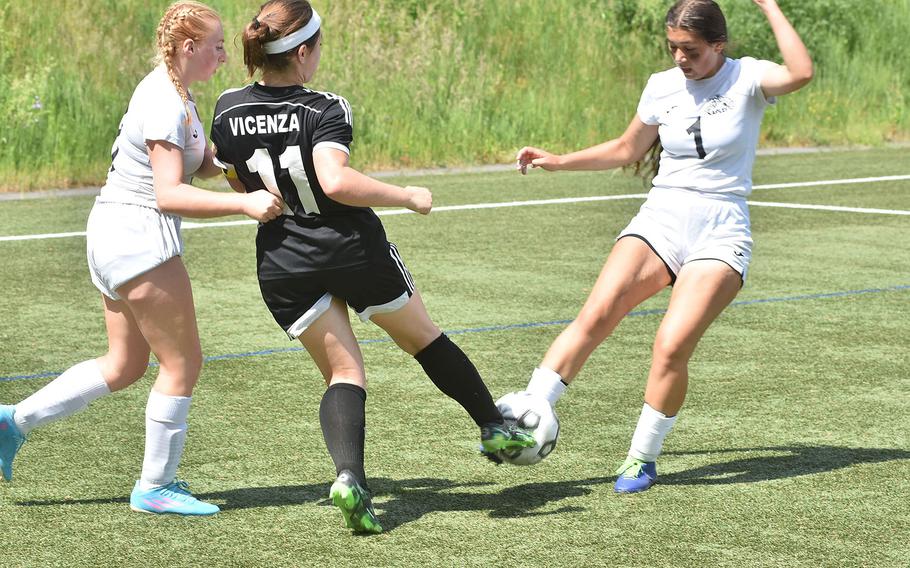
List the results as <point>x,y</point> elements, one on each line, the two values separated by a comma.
<point>441,83</point>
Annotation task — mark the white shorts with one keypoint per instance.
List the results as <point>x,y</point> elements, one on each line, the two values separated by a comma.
<point>124,241</point>
<point>682,226</point>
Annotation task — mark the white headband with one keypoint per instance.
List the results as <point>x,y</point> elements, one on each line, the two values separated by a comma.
<point>292,40</point>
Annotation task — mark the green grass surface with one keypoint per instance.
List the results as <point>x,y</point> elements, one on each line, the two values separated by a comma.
<point>792,449</point>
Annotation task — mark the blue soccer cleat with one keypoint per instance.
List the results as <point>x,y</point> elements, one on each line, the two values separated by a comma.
<point>635,476</point>
<point>355,504</point>
<point>10,440</point>
<point>174,498</point>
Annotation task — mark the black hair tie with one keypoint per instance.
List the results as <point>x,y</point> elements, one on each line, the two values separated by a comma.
<point>255,24</point>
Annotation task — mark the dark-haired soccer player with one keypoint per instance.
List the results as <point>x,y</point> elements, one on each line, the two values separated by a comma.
<point>329,251</point>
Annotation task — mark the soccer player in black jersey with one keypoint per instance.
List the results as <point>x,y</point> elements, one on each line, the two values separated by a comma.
<point>329,250</point>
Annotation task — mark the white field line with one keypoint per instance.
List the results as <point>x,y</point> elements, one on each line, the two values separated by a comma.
<point>189,225</point>
<point>829,208</point>
<point>830,182</point>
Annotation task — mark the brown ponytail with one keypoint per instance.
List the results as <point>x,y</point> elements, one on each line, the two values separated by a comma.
<point>647,166</point>
<point>275,20</point>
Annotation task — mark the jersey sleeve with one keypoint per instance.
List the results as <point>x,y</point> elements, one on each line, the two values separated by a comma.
<point>753,71</point>
<point>647,111</point>
<point>335,128</point>
<point>164,120</point>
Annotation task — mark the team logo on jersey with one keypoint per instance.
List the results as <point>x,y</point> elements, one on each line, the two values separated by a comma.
<point>195,133</point>
<point>718,104</point>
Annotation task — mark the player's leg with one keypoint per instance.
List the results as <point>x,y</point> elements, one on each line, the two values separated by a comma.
<point>330,341</point>
<point>161,301</point>
<point>702,291</point>
<point>407,322</point>
<point>633,273</point>
<point>306,312</point>
<point>77,387</point>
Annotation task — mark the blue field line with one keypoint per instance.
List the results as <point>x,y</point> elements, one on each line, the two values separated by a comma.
<point>506,327</point>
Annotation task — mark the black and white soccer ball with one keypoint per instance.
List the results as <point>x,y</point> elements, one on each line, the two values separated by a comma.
<point>533,413</point>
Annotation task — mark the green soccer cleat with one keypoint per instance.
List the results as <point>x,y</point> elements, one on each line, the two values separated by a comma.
<point>506,436</point>
<point>355,504</point>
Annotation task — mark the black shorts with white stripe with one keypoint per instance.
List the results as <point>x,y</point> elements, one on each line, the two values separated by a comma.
<point>381,285</point>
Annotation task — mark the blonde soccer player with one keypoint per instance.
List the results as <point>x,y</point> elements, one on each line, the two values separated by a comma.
<point>134,250</point>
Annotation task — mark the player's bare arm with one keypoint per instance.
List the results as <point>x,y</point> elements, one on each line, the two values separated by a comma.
<point>797,69</point>
<point>628,148</point>
<point>346,185</point>
<point>174,196</point>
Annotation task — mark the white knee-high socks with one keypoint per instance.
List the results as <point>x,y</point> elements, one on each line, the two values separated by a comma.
<point>652,428</point>
<point>82,384</point>
<point>546,383</point>
<point>69,393</point>
<point>165,435</point>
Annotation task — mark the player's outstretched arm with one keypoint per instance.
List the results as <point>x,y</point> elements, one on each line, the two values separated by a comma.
<point>174,196</point>
<point>346,185</point>
<point>627,149</point>
<point>797,70</point>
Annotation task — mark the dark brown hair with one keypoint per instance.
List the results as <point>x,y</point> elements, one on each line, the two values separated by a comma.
<point>701,17</point>
<point>275,20</point>
<point>705,19</point>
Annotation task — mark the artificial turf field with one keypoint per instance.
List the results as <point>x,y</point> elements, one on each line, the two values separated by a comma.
<point>793,448</point>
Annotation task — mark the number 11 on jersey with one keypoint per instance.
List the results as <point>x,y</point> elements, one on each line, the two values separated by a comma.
<point>292,161</point>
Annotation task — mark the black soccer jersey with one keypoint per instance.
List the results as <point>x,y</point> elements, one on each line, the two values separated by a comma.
<point>267,136</point>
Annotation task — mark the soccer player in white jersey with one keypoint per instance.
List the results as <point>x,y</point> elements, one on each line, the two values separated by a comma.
<point>134,253</point>
<point>693,231</point>
<point>329,251</point>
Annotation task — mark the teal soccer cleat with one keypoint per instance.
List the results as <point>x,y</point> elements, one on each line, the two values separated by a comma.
<point>10,440</point>
<point>174,498</point>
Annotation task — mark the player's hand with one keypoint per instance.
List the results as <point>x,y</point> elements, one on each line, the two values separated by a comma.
<point>262,205</point>
<point>766,5</point>
<point>536,158</point>
<point>421,200</point>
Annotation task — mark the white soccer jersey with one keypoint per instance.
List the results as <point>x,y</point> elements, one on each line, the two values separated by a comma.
<point>708,128</point>
<point>156,112</point>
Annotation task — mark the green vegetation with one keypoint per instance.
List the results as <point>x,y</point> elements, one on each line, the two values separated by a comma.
<point>434,82</point>
<point>791,450</point>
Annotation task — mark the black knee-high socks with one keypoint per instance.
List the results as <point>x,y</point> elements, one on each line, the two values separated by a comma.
<point>343,420</point>
<point>454,374</point>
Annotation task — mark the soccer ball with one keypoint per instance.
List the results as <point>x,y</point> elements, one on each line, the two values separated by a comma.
<point>534,414</point>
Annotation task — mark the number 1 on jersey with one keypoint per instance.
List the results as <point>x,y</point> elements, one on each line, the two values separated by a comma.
<point>292,161</point>
<point>696,130</point>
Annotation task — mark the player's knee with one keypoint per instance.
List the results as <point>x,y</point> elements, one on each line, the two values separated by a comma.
<point>416,339</point>
<point>120,373</point>
<point>670,351</point>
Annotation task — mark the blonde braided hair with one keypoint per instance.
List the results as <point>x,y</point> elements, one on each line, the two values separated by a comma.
<point>181,21</point>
